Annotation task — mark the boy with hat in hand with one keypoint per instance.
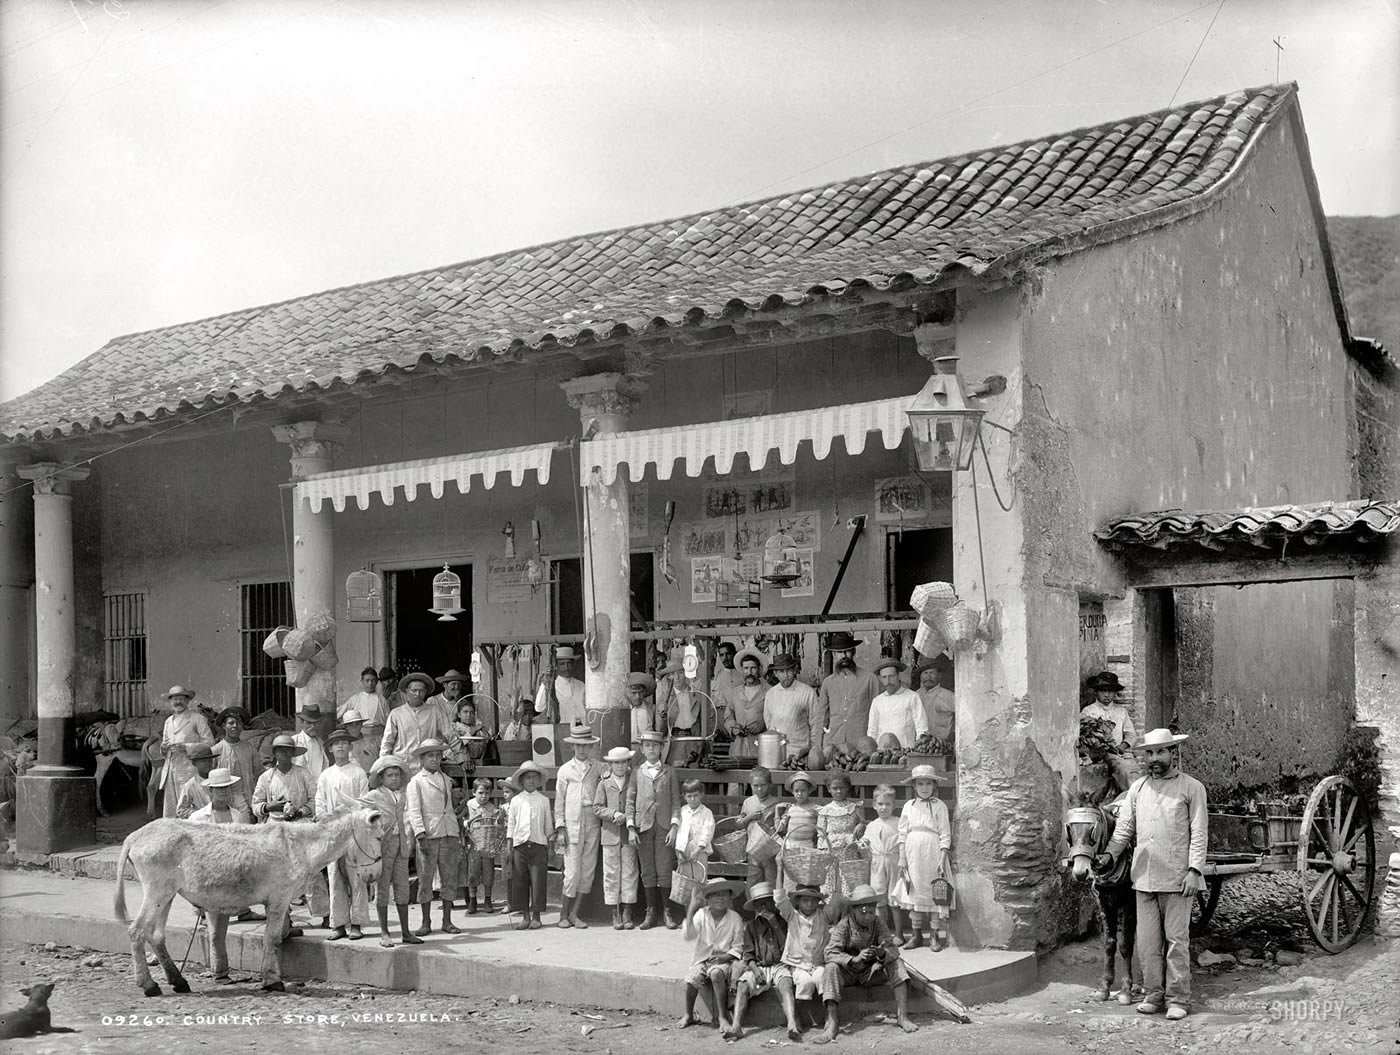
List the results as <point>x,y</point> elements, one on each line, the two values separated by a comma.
<point>386,794</point>
<point>653,819</point>
<point>193,793</point>
<point>529,833</point>
<point>718,933</point>
<point>1166,813</point>
<point>896,710</point>
<point>861,950</point>
<point>338,790</point>
<point>765,937</point>
<point>1107,707</point>
<point>433,819</point>
<point>576,825</point>
<point>367,701</point>
<point>619,855</point>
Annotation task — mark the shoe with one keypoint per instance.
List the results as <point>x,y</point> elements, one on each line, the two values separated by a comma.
<point>672,911</point>
<point>564,915</point>
<point>629,913</point>
<point>471,904</point>
<point>356,933</point>
<point>1176,1013</point>
<point>535,923</point>
<point>915,940</point>
<point>940,942</point>
<point>524,924</point>
<point>653,916</point>
<point>487,907</point>
<point>617,917</point>
<point>1146,1008</point>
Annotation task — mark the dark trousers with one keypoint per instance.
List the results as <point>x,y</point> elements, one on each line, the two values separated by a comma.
<point>528,875</point>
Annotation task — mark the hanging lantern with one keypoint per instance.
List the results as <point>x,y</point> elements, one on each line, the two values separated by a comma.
<point>365,597</point>
<point>447,595</point>
<point>942,422</point>
<point>780,566</point>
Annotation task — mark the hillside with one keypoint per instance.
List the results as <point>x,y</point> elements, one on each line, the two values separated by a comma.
<point>1367,251</point>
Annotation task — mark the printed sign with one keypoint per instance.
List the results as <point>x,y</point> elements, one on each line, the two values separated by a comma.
<point>704,539</point>
<point>754,531</point>
<point>902,498</point>
<point>806,583</point>
<point>506,580</point>
<point>728,498</point>
<point>705,574</point>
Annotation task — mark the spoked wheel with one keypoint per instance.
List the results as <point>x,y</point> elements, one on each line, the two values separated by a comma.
<point>1204,909</point>
<point>1337,863</point>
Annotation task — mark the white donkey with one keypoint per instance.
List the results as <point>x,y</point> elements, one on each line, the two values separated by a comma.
<point>223,868</point>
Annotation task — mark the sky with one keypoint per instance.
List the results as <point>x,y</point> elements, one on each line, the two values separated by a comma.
<point>165,161</point>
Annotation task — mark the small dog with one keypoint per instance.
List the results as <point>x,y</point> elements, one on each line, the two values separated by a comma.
<point>33,1018</point>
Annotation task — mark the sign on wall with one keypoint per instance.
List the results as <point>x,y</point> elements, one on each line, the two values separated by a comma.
<point>766,494</point>
<point>902,498</point>
<point>804,527</point>
<point>705,573</point>
<point>506,580</point>
<point>806,583</point>
<point>705,539</point>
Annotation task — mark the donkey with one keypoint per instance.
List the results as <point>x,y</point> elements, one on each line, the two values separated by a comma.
<point>226,867</point>
<point>1089,828</point>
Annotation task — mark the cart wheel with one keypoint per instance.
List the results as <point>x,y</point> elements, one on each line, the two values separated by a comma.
<point>1337,863</point>
<point>1206,901</point>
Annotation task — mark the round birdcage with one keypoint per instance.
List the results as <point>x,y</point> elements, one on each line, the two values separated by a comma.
<point>447,595</point>
<point>364,595</point>
<point>780,560</point>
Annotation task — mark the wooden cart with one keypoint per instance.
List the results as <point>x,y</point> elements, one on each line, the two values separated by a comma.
<point>1331,844</point>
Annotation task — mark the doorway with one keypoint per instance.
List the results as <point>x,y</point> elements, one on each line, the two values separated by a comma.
<point>569,606</point>
<point>418,640</point>
<point>913,557</point>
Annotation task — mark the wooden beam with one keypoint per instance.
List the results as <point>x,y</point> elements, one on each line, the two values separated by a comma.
<point>1200,569</point>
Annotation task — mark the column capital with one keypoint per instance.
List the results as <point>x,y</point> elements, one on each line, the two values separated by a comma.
<point>50,478</point>
<point>314,444</point>
<point>604,396</point>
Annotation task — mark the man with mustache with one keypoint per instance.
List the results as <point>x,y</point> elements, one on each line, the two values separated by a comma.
<point>843,704</point>
<point>1166,811</point>
<point>743,704</point>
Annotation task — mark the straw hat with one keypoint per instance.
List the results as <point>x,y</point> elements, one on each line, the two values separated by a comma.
<point>350,716</point>
<point>528,766</point>
<point>651,736</point>
<point>565,652</point>
<point>808,890</point>
<point>722,886</point>
<point>863,895</point>
<point>802,774</point>
<point>645,680</point>
<point>579,733</point>
<point>179,690</point>
<point>758,892</point>
<point>421,678</point>
<point>753,654</point>
<point>454,675</point>
<point>430,744</point>
<point>619,754</point>
<point>341,736</point>
<point>220,778</point>
<point>884,662</point>
<point>673,667</point>
<point>383,762</point>
<point>1161,738</point>
<point>288,741</point>
<point>924,773</point>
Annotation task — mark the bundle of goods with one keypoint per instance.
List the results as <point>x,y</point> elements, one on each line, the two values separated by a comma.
<point>795,761</point>
<point>1095,738</point>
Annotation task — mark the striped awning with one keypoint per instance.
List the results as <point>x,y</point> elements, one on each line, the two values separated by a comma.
<point>757,438</point>
<point>437,473</point>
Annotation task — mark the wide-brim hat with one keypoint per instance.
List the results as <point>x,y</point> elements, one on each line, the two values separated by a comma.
<point>454,675</point>
<point>179,690</point>
<point>722,886</point>
<point>841,641</point>
<point>675,666</point>
<point>784,661</point>
<point>889,661</point>
<point>341,736</point>
<point>1106,680</point>
<point>758,892</point>
<point>864,894</point>
<point>311,712</point>
<point>383,762</point>
<point>802,774</point>
<point>919,668</point>
<point>199,751</point>
<point>651,736</point>
<point>286,740</point>
<point>580,734</point>
<point>753,654</point>
<point>1161,738</point>
<point>408,679</point>
<point>430,744</point>
<point>642,678</point>
<point>565,652</point>
<point>808,890</point>
<point>351,715</point>
<point>924,773</point>
<point>220,778</point>
<point>232,712</point>
<point>528,766</point>
<point>619,754</point>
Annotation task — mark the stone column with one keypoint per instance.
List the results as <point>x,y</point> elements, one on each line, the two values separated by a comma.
<point>314,447</point>
<point>16,606</point>
<point>55,803</point>
<point>1377,657</point>
<point>603,402</point>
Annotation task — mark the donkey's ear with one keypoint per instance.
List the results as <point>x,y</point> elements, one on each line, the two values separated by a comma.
<point>24,991</point>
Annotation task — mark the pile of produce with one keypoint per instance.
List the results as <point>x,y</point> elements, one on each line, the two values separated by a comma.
<point>890,753</point>
<point>795,761</point>
<point>1095,738</point>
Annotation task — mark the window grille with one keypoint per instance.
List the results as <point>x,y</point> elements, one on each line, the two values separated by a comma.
<point>265,606</point>
<point>125,641</point>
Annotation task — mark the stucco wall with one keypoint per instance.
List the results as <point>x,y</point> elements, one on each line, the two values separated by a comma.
<point>1196,367</point>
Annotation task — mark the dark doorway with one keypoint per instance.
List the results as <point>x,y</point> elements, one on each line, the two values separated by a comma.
<point>569,607</point>
<point>420,640</point>
<point>914,557</point>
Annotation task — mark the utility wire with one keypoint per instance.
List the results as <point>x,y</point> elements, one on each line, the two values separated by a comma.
<point>1197,51</point>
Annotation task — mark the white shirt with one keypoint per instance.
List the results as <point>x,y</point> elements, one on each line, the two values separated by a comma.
<point>529,819</point>
<point>569,692</point>
<point>372,707</point>
<point>696,832</point>
<point>236,814</point>
<point>339,788</point>
<point>1116,713</point>
<point>791,712</point>
<point>900,712</point>
<point>315,759</point>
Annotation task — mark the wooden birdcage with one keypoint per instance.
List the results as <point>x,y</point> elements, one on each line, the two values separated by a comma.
<point>447,595</point>
<point>364,596</point>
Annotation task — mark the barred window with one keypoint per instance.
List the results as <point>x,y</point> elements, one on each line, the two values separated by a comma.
<point>124,635</point>
<point>264,607</point>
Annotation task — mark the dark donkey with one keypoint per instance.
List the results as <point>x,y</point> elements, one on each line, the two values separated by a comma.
<point>1089,828</point>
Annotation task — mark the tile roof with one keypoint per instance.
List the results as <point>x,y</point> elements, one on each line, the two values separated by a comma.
<point>1363,521</point>
<point>902,226</point>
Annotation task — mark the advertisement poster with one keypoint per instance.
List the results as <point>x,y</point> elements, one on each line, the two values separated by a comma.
<point>638,510</point>
<point>704,574</point>
<point>806,585</point>
<point>754,531</point>
<point>768,494</point>
<point>704,539</point>
<point>506,581</point>
<point>902,498</point>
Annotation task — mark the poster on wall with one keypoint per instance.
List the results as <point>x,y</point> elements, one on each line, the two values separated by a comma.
<point>638,511</point>
<point>705,572</point>
<point>704,539</point>
<point>902,498</point>
<point>753,531</point>
<point>765,494</point>
<point>806,583</point>
<point>506,581</point>
<point>747,567</point>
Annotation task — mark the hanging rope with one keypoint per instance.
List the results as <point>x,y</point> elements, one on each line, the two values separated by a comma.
<point>977,513</point>
<point>991,476</point>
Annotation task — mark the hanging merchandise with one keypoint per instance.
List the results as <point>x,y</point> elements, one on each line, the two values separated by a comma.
<point>447,595</point>
<point>364,595</point>
<point>780,560</point>
<point>668,569</point>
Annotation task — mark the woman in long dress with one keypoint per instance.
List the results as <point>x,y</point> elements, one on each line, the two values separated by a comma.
<point>182,730</point>
<point>925,839</point>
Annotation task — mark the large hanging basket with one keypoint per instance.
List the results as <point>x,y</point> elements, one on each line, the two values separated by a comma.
<point>298,644</point>
<point>321,627</point>
<point>807,866</point>
<point>732,845</point>
<point>930,598</point>
<point>957,625</point>
<point>928,642</point>
<point>272,644</point>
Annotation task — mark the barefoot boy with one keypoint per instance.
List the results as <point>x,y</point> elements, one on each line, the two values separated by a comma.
<point>861,950</point>
<point>718,933</point>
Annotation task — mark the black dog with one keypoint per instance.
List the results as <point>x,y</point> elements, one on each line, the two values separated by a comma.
<point>33,1017</point>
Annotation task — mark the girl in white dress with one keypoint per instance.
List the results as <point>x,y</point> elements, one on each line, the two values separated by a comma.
<point>925,839</point>
<point>881,839</point>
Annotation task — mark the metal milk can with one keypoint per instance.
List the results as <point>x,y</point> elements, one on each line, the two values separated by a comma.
<point>771,750</point>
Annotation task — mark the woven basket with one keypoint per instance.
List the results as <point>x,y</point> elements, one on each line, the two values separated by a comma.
<point>298,673</point>
<point>807,866</point>
<point>298,644</point>
<point>325,657</point>
<point>685,880</point>
<point>932,597</point>
<point>927,641</point>
<point>272,645</point>
<point>321,627</point>
<point>514,752</point>
<point>958,625</point>
<point>731,846</point>
<point>487,839</point>
<point>853,871</point>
